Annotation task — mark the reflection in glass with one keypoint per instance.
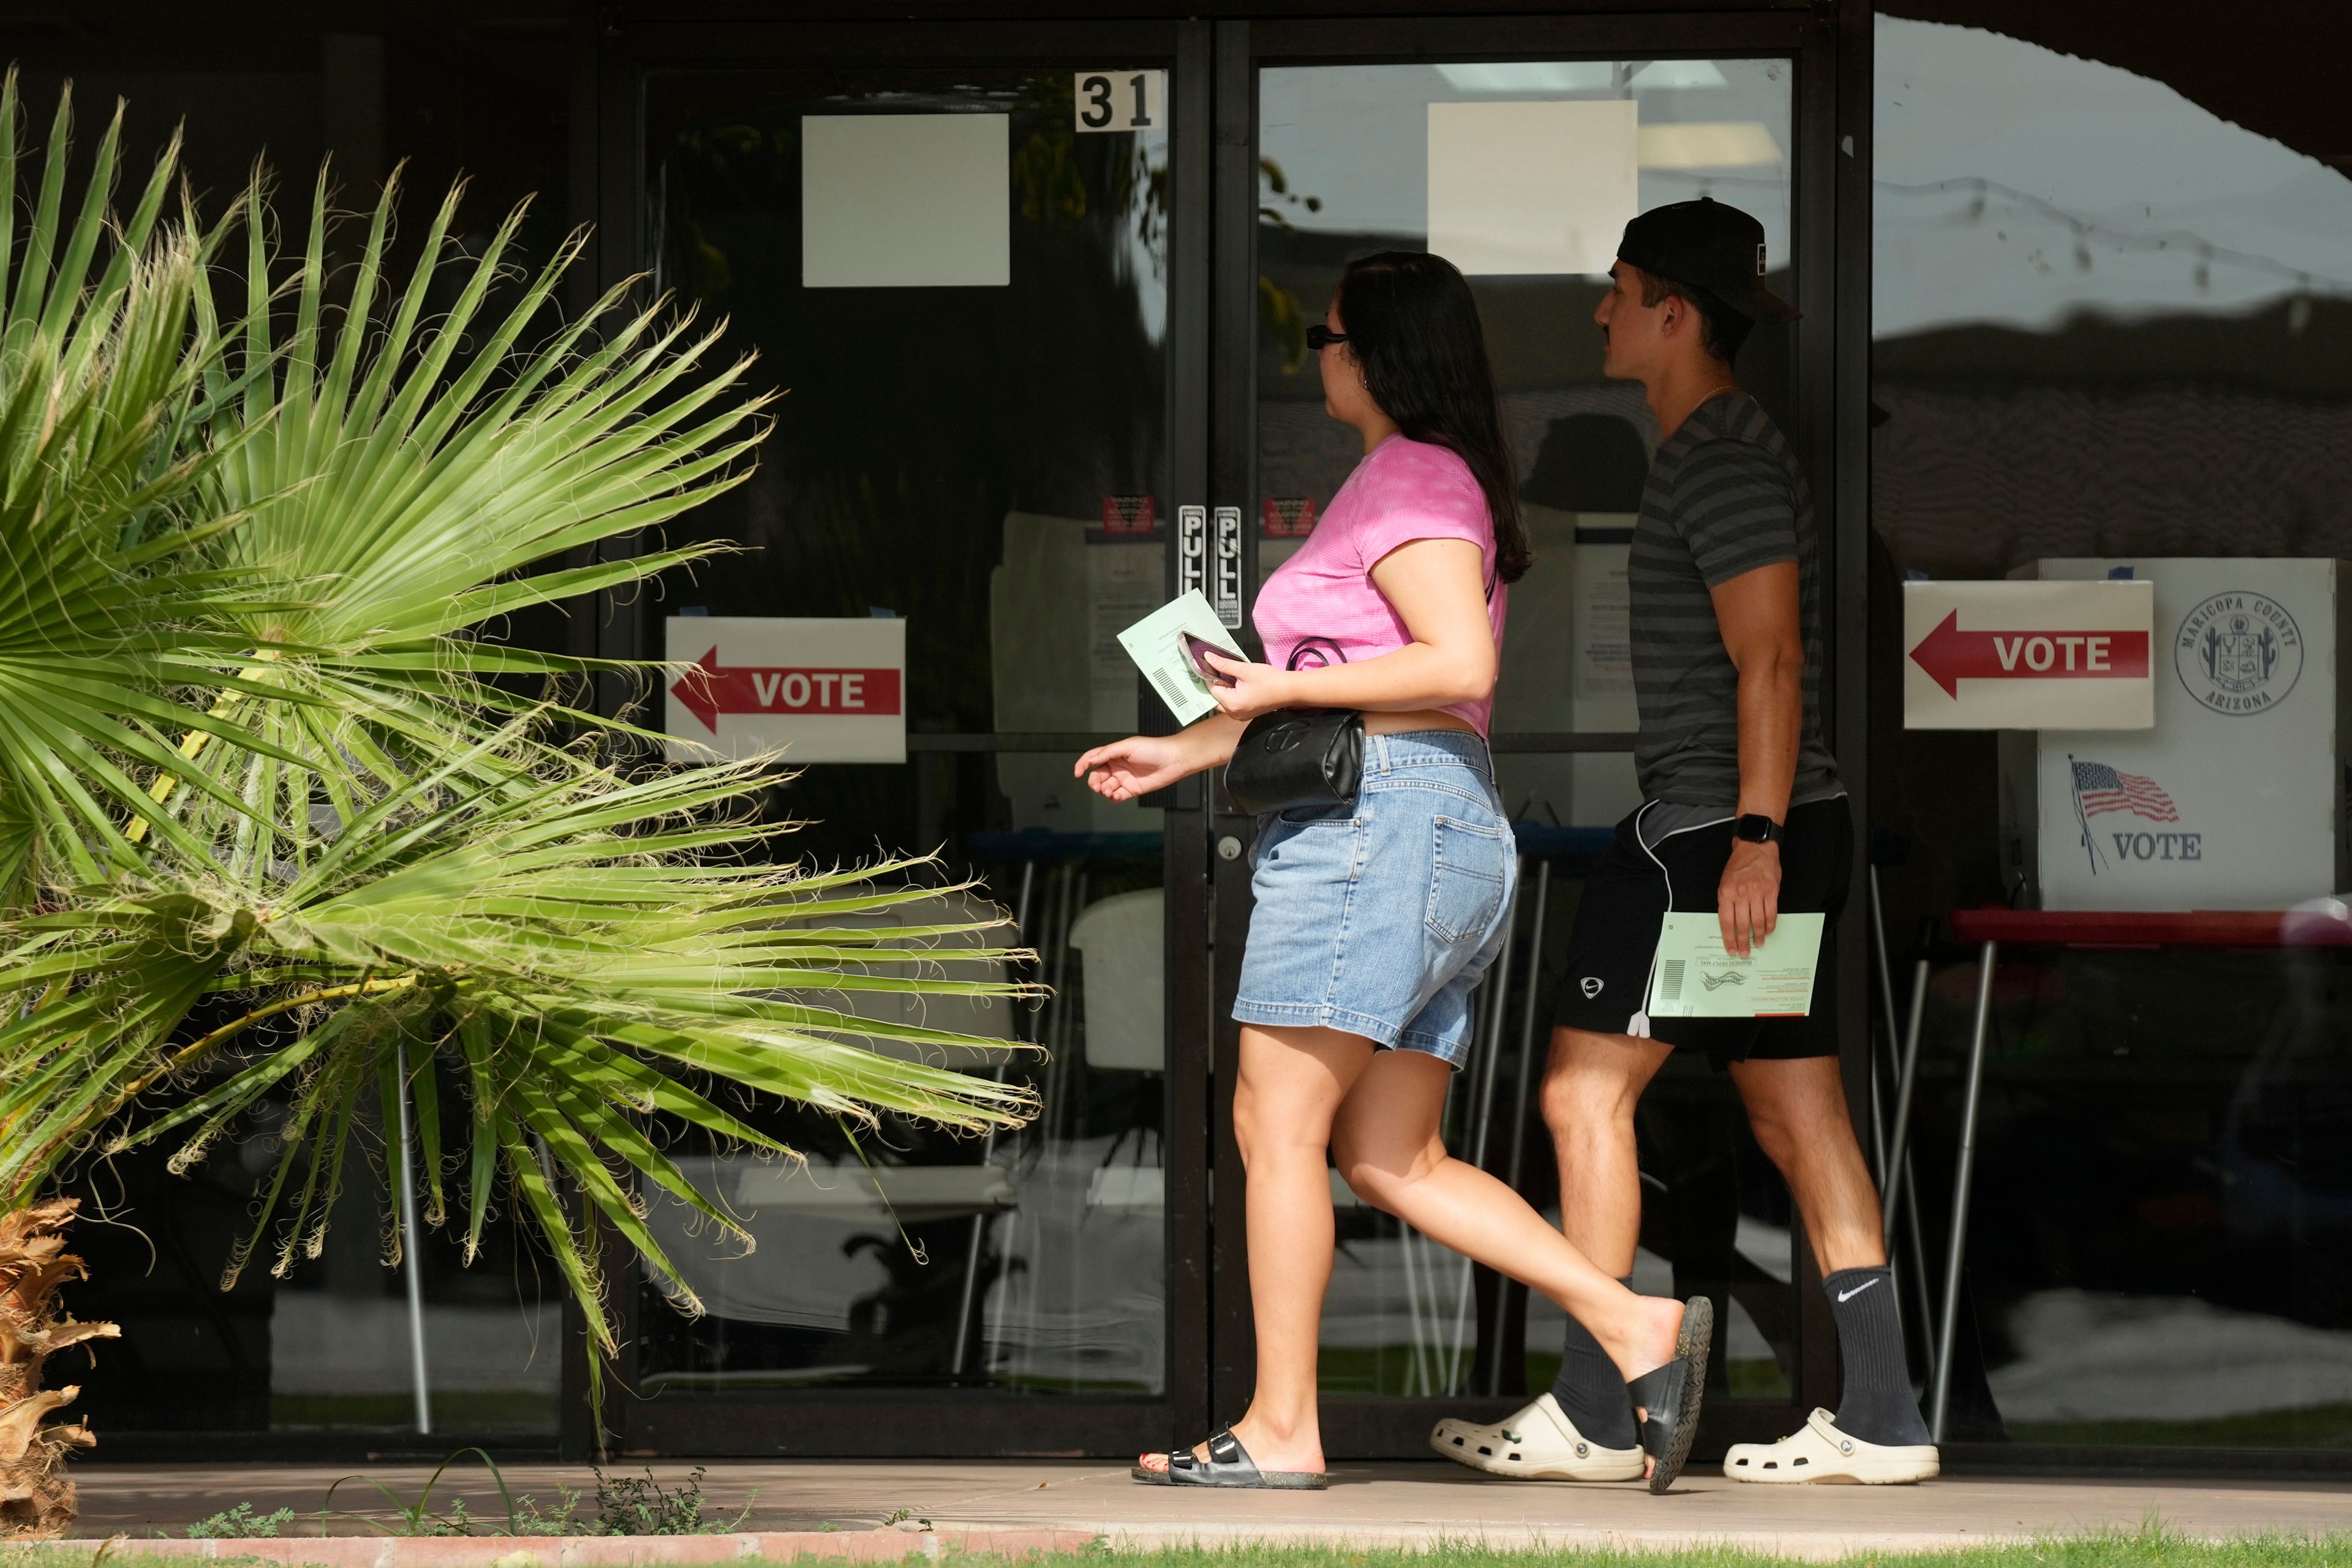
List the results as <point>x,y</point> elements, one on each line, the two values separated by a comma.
<point>325,1346</point>
<point>2108,324</point>
<point>1351,158</point>
<point>982,451</point>
<point>1346,170</point>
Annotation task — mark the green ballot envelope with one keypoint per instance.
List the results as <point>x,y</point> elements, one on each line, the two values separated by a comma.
<point>1156,644</point>
<point>1696,977</point>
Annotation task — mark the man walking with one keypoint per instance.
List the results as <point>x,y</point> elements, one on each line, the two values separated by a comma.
<point>1743,816</point>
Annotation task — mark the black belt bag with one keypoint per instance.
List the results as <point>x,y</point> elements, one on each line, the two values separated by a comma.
<point>1296,757</point>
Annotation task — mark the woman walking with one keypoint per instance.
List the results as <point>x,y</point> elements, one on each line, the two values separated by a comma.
<point>1373,920</point>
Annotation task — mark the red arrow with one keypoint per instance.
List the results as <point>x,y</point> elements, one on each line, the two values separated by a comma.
<point>710,688</point>
<point>1951,656</point>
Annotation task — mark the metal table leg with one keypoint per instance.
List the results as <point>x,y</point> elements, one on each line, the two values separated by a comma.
<point>1885,998</point>
<point>1898,1193</point>
<point>1494,993</point>
<point>412,1245</point>
<point>987,1156</point>
<point>1899,1181</point>
<point>1907,1077</point>
<point>1519,1099</point>
<point>1963,1167</point>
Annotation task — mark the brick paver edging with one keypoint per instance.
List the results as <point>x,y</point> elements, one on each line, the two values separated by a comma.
<point>884,1545</point>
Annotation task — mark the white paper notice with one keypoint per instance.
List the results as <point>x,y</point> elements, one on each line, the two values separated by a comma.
<point>1056,606</point>
<point>1603,620</point>
<point>1606,787</point>
<point>1124,580</point>
<point>1543,186</point>
<point>906,201</point>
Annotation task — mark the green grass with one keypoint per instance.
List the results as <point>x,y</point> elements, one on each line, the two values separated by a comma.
<point>2147,1548</point>
<point>2138,1549</point>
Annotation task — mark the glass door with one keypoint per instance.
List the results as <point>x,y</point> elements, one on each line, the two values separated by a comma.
<point>1519,156</point>
<point>1036,295</point>
<point>958,252</point>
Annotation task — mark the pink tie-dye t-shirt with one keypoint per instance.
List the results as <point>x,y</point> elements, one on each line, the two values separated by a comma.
<point>1403,490</point>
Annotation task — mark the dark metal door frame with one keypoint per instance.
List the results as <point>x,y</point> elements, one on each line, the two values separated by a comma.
<point>1828,46</point>
<point>613,53</point>
<point>1212,347</point>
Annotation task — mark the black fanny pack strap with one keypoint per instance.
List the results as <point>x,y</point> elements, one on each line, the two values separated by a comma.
<point>1315,646</point>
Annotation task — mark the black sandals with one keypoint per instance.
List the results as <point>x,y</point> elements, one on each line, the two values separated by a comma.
<point>1670,1393</point>
<point>1229,1465</point>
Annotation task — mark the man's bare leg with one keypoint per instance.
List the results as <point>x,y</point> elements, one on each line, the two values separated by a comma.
<point>1590,1088</point>
<point>1799,1111</point>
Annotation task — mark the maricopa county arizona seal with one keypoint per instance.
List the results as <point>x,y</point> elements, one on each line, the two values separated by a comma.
<point>2239,653</point>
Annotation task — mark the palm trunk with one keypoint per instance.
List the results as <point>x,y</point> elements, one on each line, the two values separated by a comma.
<point>35,1499</point>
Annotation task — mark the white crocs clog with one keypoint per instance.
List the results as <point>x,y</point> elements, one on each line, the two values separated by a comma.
<point>1539,1443</point>
<point>1819,1452</point>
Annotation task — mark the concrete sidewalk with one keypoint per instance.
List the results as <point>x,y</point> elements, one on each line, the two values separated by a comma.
<point>968,1503</point>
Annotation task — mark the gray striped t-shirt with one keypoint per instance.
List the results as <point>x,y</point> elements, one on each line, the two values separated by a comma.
<point>1725,496</point>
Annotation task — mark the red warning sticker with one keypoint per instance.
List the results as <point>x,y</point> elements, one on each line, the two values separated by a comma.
<point>1130,514</point>
<point>1288,517</point>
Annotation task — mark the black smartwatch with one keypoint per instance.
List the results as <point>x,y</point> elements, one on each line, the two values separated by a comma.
<point>1757,829</point>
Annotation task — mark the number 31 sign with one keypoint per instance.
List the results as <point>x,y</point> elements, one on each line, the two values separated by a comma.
<point>1122,100</point>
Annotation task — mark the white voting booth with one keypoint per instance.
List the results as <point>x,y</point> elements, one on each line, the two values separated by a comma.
<point>2222,801</point>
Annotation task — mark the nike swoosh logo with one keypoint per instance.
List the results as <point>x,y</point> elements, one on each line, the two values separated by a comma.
<point>1850,1295</point>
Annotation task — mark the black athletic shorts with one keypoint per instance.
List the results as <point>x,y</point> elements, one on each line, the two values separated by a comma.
<point>1625,899</point>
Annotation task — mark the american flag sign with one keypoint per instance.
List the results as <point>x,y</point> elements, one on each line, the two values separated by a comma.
<point>2101,788</point>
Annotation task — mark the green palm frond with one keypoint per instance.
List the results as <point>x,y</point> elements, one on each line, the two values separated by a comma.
<point>274,825</point>
<point>110,590</point>
<point>575,958</point>
<point>411,475</point>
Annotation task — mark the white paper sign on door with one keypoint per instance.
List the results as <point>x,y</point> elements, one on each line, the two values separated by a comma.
<point>906,201</point>
<point>1534,187</point>
<point>819,691</point>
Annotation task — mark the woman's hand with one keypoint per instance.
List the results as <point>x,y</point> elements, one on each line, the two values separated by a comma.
<point>1142,763</point>
<point>1249,690</point>
<point>1136,766</point>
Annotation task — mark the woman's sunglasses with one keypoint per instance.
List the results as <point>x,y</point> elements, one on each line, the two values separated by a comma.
<point>1320,337</point>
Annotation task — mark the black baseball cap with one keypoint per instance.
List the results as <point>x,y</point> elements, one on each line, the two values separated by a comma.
<point>1706,245</point>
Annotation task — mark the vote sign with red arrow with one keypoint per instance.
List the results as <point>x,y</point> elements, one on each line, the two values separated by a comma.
<point>820,690</point>
<point>2028,656</point>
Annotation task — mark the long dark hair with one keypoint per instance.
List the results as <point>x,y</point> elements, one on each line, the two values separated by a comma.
<point>1414,326</point>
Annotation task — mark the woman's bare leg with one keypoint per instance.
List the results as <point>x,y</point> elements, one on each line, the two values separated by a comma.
<point>1385,1140</point>
<point>1291,1082</point>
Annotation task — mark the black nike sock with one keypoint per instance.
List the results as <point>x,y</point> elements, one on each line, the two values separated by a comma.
<point>1875,1404</point>
<point>1592,1390</point>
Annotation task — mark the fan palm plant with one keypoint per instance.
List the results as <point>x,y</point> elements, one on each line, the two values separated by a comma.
<point>274,822</point>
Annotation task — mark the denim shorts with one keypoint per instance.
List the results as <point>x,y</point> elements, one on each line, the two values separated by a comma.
<point>1379,920</point>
